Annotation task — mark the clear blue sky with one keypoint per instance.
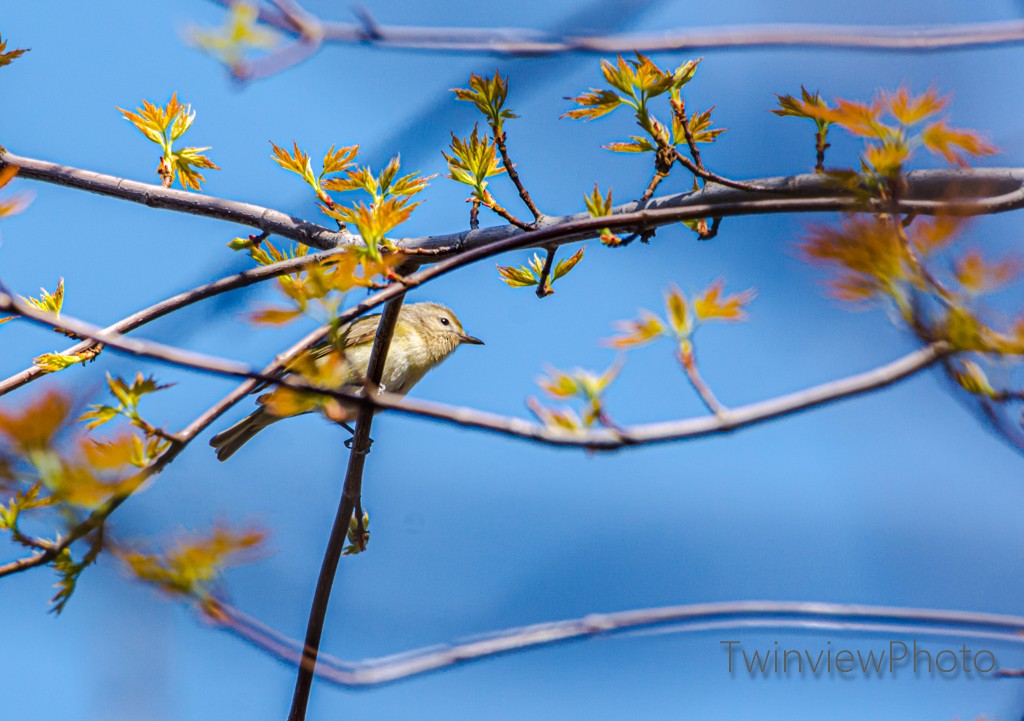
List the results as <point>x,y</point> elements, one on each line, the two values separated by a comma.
<point>901,498</point>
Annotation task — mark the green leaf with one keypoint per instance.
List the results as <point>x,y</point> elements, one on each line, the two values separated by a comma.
<point>51,362</point>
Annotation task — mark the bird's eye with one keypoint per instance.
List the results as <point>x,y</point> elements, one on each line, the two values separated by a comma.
<point>444,321</point>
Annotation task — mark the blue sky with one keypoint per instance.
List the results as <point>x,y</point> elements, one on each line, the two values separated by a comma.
<point>900,498</point>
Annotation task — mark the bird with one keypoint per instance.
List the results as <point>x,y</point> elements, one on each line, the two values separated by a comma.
<point>425,335</point>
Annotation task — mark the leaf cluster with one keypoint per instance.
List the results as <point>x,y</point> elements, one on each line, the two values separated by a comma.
<point>525,276</point>
<point>390,194</point>
<point>683,316</point>
<point>488,95</point>
<point>586,387</point>
<point>164,126</point>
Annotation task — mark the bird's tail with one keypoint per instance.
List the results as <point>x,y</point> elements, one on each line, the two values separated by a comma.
<point>230,440</point>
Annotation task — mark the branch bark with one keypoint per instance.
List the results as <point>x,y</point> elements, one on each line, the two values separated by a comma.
<point>350,500</point>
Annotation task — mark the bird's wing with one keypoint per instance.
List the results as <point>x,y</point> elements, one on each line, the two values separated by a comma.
<point>358,332</point>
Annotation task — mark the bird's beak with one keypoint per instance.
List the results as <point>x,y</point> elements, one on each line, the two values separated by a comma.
<point>470,339</point>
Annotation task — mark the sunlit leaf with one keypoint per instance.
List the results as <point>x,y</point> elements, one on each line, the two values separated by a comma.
<point>678,315</point>
<point>33,425</point>
<point>954,144</point>
<point>712,306</point>
<point>637,332</point>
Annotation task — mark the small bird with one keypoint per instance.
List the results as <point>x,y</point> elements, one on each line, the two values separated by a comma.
<point>425,334</point>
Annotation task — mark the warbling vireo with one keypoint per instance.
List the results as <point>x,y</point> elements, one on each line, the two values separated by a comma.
<point>425,334</point>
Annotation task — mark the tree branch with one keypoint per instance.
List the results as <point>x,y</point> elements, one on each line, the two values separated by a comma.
<point>526,42</point>
<point>929,192</point>
<point>597,439</point>
<point>172,304</point>
<point>350,499</point>
<point>695,618</point>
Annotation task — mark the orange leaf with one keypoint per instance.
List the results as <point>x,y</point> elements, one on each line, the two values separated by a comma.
<point>953,143</point>
<point>712,306</point>
<point>637,332</point>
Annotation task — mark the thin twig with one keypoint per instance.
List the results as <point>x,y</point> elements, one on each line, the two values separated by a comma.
<point>490,202</point>
<point>253,216</point>
<point>513,174</point>
<point>689,362</point>
<point>172,304</point>
<point>813,617</point>
<point>652,186</point>
<point>707,175</point>
<point>308,31</point>
<point>350,498</point>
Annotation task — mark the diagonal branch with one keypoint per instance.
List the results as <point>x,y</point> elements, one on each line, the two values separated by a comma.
<point>180,442</point>
<point>155,196</point>
<point>170,305</point>
<point>725,421</point>
<point>350,500</point>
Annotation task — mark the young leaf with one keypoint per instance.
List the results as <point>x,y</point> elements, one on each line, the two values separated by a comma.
<point>678,315</point>
<point>9,56</point>
<point>597,205</point>
<point>712,306</point>
<point>14,204</point>
<point>520,277</point>
<point>594,104</point>
<point>52,362</point>
<point>488,95</point>
<point>297,162</point>
<point>637,332</point>
<point>562,267</point>
<point>37,424</point>
<point>49,302</point>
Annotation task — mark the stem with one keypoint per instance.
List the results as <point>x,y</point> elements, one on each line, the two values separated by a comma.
<point>679,106</point>
<point>707,175</point>
<point>544,288</point>
<point>689,363</point>
<point>350,498</point>
<point>499,139</point>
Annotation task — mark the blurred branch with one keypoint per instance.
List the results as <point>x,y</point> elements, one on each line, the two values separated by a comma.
<point>928,192</point>
<point>350,500</point>
<point>178,443</point>
<point>695,618</point>
<point>170,305</point>
<point>526,42</point>
<point>724,421</point>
